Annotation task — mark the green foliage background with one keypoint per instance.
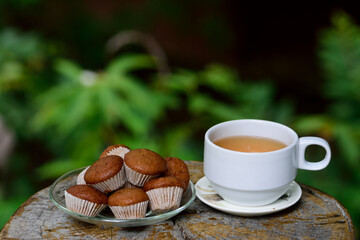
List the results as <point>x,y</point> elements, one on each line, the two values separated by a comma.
<point>63,115</point>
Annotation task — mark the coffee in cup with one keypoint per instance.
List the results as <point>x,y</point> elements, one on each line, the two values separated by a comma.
<point>256,178</point>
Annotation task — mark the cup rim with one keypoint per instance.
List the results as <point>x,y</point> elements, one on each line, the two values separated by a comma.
<point>211,129</point>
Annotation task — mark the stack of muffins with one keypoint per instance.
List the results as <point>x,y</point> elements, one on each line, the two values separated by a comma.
<point>129,182</point>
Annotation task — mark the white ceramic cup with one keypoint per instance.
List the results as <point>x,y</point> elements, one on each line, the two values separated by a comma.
<point>256,179</point>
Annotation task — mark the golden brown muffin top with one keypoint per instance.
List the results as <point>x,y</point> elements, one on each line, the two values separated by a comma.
<point>145,161</point>
<point>163,182</point>
<point>127,196</point>
<point>88,193</point>
<point>177,168</point>
<point>112,147</point>
<point>103,169</point>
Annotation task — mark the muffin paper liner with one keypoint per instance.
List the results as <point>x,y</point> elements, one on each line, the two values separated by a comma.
<point>164,199</point>
<point>112,183</point>
<point>137,178</point>
<point>80,178</point>
<point>120,151</point>
<point>82,206</point>
<point>134,211</point>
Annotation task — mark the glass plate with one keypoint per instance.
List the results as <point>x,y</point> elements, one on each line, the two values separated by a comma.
<point>106,218</point>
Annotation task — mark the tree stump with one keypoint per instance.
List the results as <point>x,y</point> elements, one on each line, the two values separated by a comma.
<point>316,215</point>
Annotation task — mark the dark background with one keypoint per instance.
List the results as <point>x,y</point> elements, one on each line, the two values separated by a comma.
<point>261,40</point>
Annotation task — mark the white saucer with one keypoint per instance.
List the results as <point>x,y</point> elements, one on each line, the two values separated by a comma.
<point>207,195</point>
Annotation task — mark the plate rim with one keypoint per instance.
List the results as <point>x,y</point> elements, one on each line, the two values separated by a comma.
<point>250,211</point>
<point>119,222</point>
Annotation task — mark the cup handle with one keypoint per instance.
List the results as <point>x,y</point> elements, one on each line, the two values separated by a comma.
<point>304,142</point>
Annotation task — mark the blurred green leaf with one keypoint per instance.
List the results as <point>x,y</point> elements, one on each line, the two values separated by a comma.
<point>202,104</point>
<point>128,63</point>
<point>68,69</point>
<point>314,124</point>
<point>11,76</point>
<point>56,168</point>
<point>221,78</point>
<point>183,81</point>
<point>347,137</point>
<point>77,111</point>
<point>15,46</point>
<point>340,57</point>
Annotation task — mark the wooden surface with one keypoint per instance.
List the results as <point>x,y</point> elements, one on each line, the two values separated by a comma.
<point>316,216</point>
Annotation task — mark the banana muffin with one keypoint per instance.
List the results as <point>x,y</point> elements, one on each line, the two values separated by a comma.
<point>85,200</point>
<point>177,168</point>
<point>129,203</point>
<point>107,174</point>
<point>164,193</point>
<point>141,165</point>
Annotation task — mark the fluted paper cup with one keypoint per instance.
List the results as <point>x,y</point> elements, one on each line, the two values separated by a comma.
<point>137,178</point>
<point>130,212</point>
<point>112,183</point>
<point>80,178</point>
<point>165,199</point>
<point>82,206</point>
<point>120,151</point>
